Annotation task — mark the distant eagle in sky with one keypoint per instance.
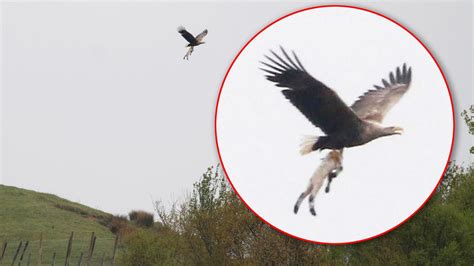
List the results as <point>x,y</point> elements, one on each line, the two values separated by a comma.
<point>344,126</point>
<point>192,41</point>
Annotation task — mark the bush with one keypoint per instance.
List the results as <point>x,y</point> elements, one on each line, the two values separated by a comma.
<point>118,224</point>
<point>142,218</point>
<point>144,247</point>
<point>141,248</point>
<point>133,215</point>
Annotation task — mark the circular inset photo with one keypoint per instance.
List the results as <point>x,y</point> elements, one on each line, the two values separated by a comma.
<point>334,124</point>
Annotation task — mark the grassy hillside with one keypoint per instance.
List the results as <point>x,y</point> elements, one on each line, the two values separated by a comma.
<point>25,215</point>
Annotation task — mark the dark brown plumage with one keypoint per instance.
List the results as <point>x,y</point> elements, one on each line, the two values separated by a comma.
<point>344,126</point>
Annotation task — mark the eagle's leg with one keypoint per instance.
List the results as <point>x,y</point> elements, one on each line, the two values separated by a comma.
<point>302,197</point>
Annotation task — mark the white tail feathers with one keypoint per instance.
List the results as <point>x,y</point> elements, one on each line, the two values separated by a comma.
<point>307,144</point>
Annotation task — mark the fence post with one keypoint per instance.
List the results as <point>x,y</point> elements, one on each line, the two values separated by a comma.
<point>40,251</point>
<point>5,243</point>
<point>80,259</point>
<point>54,259</point>
<point>24,250</point>
<point>91,249</point>
<point>69,248</point>
<point>115,249</point>
<point>16,253</point>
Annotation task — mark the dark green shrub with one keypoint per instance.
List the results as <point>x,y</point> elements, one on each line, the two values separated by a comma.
<point>118,223</point>
<point>142,218</point>
<point>145,247</point>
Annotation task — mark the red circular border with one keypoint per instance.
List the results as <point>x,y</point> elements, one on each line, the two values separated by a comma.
<point>219,96</point>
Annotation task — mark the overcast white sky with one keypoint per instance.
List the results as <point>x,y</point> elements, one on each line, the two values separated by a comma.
<point>99,107</point>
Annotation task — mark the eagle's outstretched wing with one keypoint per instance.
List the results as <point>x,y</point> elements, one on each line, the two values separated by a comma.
<point>318,103</point>
<point>188,36</point>
<point>201,35</point>
<point>375,104</point>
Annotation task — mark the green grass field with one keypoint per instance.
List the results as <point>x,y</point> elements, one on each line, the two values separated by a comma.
<point>26,215</point>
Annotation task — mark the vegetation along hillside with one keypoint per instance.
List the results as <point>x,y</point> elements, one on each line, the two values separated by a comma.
<point>213,227</point>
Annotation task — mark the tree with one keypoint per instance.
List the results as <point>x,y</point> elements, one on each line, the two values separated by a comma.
<point>468,118</point>
<point>212,226</point>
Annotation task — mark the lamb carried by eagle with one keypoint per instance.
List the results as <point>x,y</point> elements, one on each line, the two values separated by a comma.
<point>344,126</point>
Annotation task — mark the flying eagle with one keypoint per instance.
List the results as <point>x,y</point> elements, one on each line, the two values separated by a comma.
<point>344,126</point>
<point>192,41</point>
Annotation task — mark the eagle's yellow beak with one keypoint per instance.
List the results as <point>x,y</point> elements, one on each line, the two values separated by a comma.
<point>398,130</point>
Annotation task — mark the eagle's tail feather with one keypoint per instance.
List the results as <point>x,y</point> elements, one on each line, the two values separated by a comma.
<point>307,144</point>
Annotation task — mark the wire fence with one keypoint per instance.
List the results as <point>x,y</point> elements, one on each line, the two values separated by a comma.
<point>77,249</point>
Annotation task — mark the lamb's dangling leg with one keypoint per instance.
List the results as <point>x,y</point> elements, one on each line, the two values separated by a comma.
<point>332,174</point>
<point>315,183</point>
<point>190,51</point>
<point>311,205</point>
<point>330,167</point>
<point>302,197</point>
<point>316,187</point>
<point>330,164</point>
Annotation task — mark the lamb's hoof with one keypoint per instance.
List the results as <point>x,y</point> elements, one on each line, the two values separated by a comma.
<point>327,190</point>
<point>312,211</point>
<point>295,209</point>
